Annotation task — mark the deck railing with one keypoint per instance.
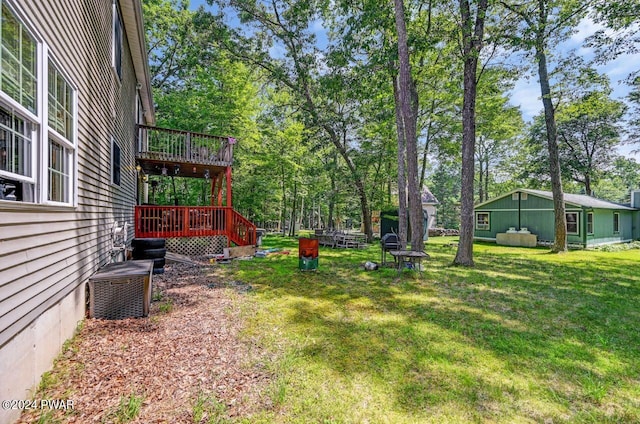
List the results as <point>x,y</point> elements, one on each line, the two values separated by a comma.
<point>184,146</point>
<point>194,221</point>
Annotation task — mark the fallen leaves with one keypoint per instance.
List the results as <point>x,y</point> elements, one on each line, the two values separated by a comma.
<point>173,359</point>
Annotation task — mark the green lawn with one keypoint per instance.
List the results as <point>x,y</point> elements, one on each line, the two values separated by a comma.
<point>525,336</point>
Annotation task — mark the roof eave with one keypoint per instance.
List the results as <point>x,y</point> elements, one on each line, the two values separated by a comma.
<point>132,18</point>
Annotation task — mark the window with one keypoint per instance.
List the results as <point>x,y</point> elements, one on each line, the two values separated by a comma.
<point>117,41</point>
<point>482,221</point>
<point>61,137</point>
<point>589,222</point>
<point>572,223</point>
<point>115,162</point>
<point>59,179</point>
<point>18,61</point>
<point>60,104</point>
<point>37,144</point>
<point>616,222</point>
<point>15,144</point>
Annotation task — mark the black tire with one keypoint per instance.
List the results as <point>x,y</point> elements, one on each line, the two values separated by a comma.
<point>158,262</point>
<point>158,270</point>
<point>148,243</point>
<point>149,253</point>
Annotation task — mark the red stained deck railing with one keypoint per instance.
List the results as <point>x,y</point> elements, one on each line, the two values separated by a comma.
<point>164,144</point>
<point>194,221</point>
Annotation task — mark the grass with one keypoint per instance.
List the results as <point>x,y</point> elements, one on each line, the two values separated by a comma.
<point>524,336</point>
<point>209,410</point>
<point>127,410</point>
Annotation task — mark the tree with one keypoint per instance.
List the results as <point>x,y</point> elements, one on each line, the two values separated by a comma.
<point>589,131</point>
<point>196,87</point>
<point>634,121</point>
<point>536,26</point>
<point>620,35</point>
<point>407,118</point>
<point>472,41</point>
<point>445,180</point>
<point>499,126</point>
<point>178,42</point>
<point>280,43</point>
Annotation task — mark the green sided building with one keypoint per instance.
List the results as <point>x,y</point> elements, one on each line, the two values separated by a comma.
<point>590,221</point>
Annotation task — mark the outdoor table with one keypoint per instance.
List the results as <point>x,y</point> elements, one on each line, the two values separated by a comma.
<point>346,240</point>
<point>403,256</point>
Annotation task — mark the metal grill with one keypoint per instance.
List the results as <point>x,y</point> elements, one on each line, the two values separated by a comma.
<point>197,246</point>
<point>117,299</point>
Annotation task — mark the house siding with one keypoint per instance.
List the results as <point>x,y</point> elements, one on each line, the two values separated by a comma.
<point>603,227</point>
<point>537,215</point>
<point>48,253</point>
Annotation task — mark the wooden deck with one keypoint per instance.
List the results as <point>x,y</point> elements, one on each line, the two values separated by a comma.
<point>194,221</point>
<point>163,151</point>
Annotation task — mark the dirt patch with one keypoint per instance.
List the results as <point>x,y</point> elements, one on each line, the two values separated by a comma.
<point>184,363</point>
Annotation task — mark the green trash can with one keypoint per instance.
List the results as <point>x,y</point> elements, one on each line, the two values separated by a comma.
<point>308,254</point>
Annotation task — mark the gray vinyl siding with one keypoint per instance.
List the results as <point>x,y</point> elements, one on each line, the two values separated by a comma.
<point>46,252</point>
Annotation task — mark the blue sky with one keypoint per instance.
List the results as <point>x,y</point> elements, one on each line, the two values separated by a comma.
<point>526,92</point>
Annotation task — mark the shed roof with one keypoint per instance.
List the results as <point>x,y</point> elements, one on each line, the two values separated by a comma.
<point>427,197</point>
<point>573,199</point>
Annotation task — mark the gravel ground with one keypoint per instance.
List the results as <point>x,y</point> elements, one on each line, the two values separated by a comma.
<point>184,363</point>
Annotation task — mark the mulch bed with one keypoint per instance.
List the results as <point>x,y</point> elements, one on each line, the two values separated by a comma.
<point>185,361</point>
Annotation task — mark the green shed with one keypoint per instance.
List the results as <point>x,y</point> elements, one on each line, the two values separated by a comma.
<point>590,221</point>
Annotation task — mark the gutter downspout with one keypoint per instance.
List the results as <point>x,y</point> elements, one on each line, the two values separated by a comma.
<point>584,227</point>
<point>519,210</point>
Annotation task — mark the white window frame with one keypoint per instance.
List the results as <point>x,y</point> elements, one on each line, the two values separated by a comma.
<point>577,221</point>
<point>29,163</point>
<point>68,143</point>
<point>616,223</point>
<point>483,227</point>
<point>38,181</point>
<point>24,27</point>
<point>590,224</point>
<point>16,109</point>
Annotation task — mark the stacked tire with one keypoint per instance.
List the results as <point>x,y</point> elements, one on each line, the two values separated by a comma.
<point>150,248</point>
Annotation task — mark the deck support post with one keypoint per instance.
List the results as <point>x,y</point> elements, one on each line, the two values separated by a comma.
<point>228,177</point>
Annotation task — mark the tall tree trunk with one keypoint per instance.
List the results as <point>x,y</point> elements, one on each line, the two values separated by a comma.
<point>283,215</point>
<point>402,178</point>
<point>301,218</point>
<point>332,196</point>
<point>294,207</point>
<point>472,36</point>
<point>408,102</point>
<point>425,152</point>
<point>480,179</point>
<point>486,180</point>
<point>416,215</point>
<point>560,241</point>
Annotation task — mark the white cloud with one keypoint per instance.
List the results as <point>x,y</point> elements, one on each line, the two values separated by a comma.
<point>526,94</point>
<point>585,28</point>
